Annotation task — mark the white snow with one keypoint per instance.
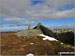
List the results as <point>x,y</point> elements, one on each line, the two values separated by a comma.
<point>62,43</point>
<point>48,38</point>
<point>30,54</point>
<point>31,43</point>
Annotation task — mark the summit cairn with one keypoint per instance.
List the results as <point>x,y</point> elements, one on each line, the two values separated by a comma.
<point>29,31</point>
<point>39,29</point>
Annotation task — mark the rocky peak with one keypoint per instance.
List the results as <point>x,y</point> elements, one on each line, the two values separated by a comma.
<point>44,29</point>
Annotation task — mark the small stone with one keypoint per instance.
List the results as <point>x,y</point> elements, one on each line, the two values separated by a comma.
<point>31,43</point>
<point>30,54</point>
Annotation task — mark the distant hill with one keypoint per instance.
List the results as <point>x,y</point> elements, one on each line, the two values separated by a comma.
<point>65,37</point>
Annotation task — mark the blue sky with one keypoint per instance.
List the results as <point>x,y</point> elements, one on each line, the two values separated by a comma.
<point>63,21</point>
<point>56,19</point>
<point>60,21</point>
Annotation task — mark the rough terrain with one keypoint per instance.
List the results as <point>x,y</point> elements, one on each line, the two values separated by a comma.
<point>13,45</point>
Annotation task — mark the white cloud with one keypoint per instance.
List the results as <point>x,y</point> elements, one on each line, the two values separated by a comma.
<point>22,8</point>
<point>14,8</point>
<point>5,29</point>
<point>59,3</point>
<point>17,10</point>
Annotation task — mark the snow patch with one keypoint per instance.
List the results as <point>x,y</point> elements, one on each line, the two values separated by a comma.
<point>48,38</point>
<point>62,43</point>
<point>31,43</point>
<point>30,54</point>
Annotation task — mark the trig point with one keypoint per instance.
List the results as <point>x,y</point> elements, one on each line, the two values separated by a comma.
<point>29,26</point>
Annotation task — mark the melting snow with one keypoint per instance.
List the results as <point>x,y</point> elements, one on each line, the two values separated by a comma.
<point>30,54</point>
<point>48,38</point>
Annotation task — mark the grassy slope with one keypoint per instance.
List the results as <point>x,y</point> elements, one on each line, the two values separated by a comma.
<point>13,45</point>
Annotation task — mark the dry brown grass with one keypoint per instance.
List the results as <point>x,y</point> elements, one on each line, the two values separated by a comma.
<point>13,45</point>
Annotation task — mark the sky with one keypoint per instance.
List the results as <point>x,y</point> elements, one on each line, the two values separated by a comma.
<point>17,14</point>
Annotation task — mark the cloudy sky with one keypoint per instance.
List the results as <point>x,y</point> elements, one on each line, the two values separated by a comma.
<point>17,14</point>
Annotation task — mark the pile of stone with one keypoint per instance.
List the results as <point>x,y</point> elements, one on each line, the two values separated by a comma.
<point>39,29</point>
<point>32,32</point>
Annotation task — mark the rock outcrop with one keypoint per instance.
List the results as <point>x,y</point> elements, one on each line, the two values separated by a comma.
<point>45,30</point>
<point>65,37</point>
<point>32,32</point>
<point>39,29</point>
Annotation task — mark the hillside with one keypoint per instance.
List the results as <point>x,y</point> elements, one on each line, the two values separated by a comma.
<point>13,45</point>
<point>44,29</point>
<point>65,37</point>
<point>31,32</point>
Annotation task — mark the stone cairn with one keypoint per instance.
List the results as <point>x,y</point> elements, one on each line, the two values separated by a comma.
<point>29,32</point>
